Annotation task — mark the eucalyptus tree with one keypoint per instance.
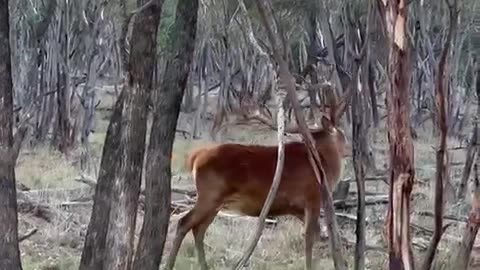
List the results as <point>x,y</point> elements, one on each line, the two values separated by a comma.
<point>9,251</point>
<point>167,99</point>
<point>110,234</point>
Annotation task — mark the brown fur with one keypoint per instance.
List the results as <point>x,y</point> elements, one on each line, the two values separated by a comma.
<point>193,156</point>
<point>238,177</point>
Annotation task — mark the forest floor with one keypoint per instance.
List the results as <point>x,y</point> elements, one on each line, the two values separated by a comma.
<point>58,241</point>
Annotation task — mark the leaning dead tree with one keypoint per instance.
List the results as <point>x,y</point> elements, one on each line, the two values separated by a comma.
<point>402,172</point>
<point>281,95</point>
<point>9,252</point>
<point>279,53</point>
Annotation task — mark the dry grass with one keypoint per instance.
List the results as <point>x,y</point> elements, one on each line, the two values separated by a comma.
<point>58,245</point>
<point>45,168</point>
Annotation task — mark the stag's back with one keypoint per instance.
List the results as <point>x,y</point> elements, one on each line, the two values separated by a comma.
<point>241,175</point>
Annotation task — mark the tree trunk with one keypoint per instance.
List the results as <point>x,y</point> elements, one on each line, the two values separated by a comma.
<point>126,188</point>
<point>279,52</point>
<point>359,159</point>
<point>402,171</point>
<point>109,240</point>
<point>462,257</point>
<point>202,85</point>
<point>223,99</point>
<point>443,76</point>
<point>373,95</point>
<point>472,150</point>
<point>168,99</point>
<point>333,58</point>
<point>9,252</point>
<point>94,246</point>
<point>311,68</point>
<point>64,127</point>
<point>89,97</point>
<point>359,50</point>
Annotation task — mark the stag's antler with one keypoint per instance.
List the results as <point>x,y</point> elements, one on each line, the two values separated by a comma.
<point>262,115</point>
<point>336,108</point>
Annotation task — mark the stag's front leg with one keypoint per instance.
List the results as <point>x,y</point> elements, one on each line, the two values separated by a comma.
<point>311,218</point>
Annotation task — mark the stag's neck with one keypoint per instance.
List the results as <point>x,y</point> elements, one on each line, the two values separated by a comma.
<point>332,162</point>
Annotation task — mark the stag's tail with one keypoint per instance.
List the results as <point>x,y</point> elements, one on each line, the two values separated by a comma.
<point>194,155</point>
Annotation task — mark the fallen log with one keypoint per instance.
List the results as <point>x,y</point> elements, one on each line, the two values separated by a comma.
<point>382,178</point>
<point>369,200</point>
<point>175,207</point>
<point>92,183</point>
<point>25,205</point>
<point>449,217</point>
<point>351,244</point>
<point>57,194</point>
<point>76,203</point>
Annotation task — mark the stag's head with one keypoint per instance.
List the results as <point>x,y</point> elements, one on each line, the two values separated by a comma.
<point>330,131</point>
<point>331,134</point>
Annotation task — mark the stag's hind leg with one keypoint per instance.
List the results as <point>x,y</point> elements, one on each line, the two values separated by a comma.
<point>311,217</point>
<point>199,234</point>
<point>202,210</point>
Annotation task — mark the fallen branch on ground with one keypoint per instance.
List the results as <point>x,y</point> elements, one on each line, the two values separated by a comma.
<point>59,194</point>
<point>27,235</point>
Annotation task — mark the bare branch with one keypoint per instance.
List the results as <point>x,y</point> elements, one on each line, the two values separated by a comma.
<point>275,184</point>
<point>288,80</point>
<point>29,234</point>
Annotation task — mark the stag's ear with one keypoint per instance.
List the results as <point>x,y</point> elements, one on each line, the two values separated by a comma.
<point>326,123</point>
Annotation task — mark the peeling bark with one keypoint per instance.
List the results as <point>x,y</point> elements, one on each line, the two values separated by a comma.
<point>402,171</point>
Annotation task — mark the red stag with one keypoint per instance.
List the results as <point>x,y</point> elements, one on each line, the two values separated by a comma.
<point>237,177</point>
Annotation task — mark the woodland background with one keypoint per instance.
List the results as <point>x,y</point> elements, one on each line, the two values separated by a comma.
<point>98,80</point>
